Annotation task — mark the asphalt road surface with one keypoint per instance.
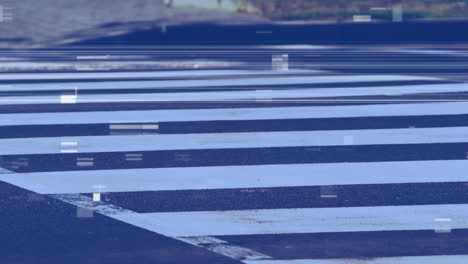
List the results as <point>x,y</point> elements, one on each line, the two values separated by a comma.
<point>329,155</point>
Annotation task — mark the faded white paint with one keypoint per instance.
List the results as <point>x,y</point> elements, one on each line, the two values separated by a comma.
<point>309,220</point>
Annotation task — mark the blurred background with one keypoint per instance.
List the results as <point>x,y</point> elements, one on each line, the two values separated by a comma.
<point>29,22</point>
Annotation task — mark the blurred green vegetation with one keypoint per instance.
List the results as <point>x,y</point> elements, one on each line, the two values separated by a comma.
<point>343,10</point>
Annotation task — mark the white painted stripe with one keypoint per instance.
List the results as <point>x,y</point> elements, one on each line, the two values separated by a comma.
<point>225,248</point>
<point>241,95</point>
<point>226,177</point>
<point>252,82</point>
<point>4,171</point>
<point>153,223</point>
<point>144,74</point>
<point>461,53</point>
<point>235,114</point>
<point>444,259</point>
<point>18,146</point>
<point>310,220</point>
<point>116,65</point>
<point>143,221</point>
<point>296,47</point>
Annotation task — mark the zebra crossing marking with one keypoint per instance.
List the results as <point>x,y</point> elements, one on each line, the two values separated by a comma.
<point>242,96</point>
<point>93,144</point>
<point>143,221</point>
<point>447,259</point>
<point>253,82</point>
<point>310,220</point>
<point>252,176</point>
<point>420,109</point>
<point>146,74</point>
<point>67,186</point>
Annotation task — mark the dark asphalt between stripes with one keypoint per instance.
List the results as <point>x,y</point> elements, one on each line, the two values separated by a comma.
<point>356,246</point>
<point>241,156</point>
<point>42,230</point>
<point>291,197</point>
<point>239,126</point>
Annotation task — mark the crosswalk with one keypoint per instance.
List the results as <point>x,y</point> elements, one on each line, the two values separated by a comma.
<point>264,167</point>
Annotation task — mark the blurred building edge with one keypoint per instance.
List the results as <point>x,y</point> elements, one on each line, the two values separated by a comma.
<point>168,3</point>
<point>241,6</point>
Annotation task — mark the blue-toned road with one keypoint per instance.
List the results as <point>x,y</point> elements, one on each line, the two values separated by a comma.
<point>334,156</point>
